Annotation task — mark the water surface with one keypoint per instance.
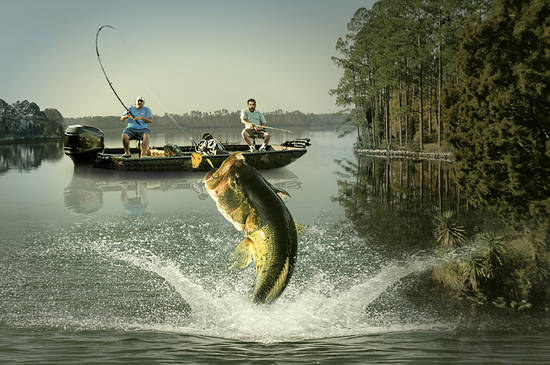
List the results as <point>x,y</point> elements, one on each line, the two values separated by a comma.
<point>109,267</point>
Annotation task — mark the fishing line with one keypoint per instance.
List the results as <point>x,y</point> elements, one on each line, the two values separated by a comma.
<point>136,65</point>
<point>172,119</point>
<point>196,156</point>
<point>133,65</point>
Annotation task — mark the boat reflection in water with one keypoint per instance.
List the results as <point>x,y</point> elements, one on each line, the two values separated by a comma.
<point>89,188</point>
<point>136,203</point>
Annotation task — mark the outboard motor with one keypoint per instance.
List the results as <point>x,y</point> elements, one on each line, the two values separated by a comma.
<point>83,143</point>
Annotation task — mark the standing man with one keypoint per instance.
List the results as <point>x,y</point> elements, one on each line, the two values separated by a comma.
<point>254,120</point>
<point>138,127</point>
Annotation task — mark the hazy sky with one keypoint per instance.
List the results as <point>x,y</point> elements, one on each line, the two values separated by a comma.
<point>179,55</point>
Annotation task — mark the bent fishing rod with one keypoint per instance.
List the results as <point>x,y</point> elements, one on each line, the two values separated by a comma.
<point>105,73</point>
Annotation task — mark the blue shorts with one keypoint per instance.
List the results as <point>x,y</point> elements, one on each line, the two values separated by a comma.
<point>136,133</point>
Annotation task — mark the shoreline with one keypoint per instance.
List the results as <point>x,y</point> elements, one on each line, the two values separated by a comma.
<point>443,156</point>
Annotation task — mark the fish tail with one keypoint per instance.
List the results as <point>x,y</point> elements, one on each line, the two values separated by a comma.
<point>267,295</point>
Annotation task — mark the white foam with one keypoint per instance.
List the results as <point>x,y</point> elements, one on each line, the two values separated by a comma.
<point>307,310</point>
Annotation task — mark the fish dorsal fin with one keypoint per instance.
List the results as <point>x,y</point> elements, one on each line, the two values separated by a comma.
<point>283,194</point>
<point>242,257</point>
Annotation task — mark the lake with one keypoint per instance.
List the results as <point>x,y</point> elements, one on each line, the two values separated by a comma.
<point>110,267</point>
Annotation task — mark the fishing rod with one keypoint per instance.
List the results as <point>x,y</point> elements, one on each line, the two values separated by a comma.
<point>105,73</point>
<point>277,129</point>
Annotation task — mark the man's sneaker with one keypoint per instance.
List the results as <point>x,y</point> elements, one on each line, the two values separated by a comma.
<point>252,148</point>
<point>262,148</point>
<point>126,156</point>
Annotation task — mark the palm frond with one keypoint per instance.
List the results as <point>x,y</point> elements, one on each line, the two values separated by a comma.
<point>450,233</point>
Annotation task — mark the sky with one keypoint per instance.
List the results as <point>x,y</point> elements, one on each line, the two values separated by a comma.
<point>179,55</point>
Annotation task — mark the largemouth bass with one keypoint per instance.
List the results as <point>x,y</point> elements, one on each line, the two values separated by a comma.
<point>253,205</point>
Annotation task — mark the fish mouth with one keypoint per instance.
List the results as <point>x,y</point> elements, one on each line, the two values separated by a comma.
<point>213,177</point>
<point>215,184</point>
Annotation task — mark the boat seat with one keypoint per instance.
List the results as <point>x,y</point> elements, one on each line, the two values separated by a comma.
<point>255,135</point>
<point>138,144</point>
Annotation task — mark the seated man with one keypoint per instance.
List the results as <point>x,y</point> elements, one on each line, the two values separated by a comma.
<point>254,120</point>
<point>138,126</point>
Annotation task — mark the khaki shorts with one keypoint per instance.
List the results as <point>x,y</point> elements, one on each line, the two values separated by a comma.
<point>252,133</point>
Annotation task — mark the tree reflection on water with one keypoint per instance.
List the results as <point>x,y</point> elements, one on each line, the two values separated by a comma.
<point>28,156</point>
<point>396,201</point>
<point>399,204</point>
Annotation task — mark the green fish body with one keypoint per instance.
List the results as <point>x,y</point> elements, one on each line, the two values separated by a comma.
<point>248,201</point>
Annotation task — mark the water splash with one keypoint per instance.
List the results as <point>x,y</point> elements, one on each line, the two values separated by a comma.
<point>132,278</point>
<point>304,315</point>
<point>312,307</point>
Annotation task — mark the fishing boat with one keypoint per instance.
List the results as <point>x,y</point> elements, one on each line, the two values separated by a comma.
<point>85,146</point>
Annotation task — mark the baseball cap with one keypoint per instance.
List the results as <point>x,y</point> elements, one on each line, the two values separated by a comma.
<point>140,98</point>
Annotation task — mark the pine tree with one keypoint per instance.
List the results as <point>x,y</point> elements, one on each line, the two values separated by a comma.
<point>394,57</point>
<point>499,113</point>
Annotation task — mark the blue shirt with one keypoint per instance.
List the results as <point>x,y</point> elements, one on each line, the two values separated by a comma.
<point>256,117</point>
<point>141,112</point>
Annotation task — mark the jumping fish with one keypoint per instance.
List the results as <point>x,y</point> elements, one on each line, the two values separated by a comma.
<point>254,206</point>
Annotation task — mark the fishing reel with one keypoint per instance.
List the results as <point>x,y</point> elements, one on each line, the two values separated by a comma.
<point>209,145</point>
<point>206,146</point>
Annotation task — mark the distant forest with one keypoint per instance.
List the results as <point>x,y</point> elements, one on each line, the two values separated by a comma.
<point>398,59</point>
<point>218,119</point>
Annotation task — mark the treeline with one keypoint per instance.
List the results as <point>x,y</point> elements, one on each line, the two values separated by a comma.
<point>498,118</point>
<point>471,73</point>
<point>499,113</point>
<point>397,58</point>
<point>217,119</point>
<point>474,75</point>
<point>23,120</point>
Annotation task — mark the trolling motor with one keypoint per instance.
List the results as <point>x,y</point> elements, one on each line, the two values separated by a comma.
<point>83,143</point>
<point>299,143</point>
